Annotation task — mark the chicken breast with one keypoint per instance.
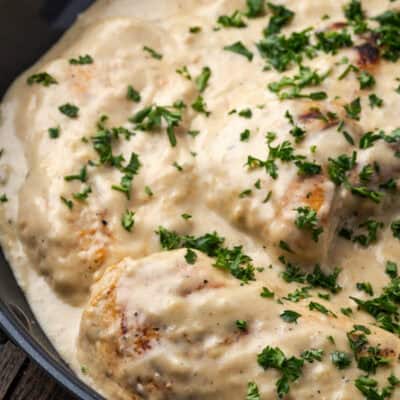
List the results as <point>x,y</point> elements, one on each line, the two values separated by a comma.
<point>162,328</point>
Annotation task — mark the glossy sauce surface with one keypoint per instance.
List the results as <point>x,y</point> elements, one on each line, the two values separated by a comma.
<point>61,235</point>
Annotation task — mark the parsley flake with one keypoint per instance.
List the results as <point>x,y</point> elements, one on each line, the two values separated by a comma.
<point>54,133</point>
<point>190,256</point>
<point>82,60</point>
<point>340,359</point>
<point>252,392</point>
<point>128,220</point>
<point>290,316</point>
<point>240,48</point>
<point>132,94</point>
<point>353,109</point>
<point>70,110</point>
<point>307,219</point>
<point>42,78</point>
<point>154,54</point>
<point>202,80</point>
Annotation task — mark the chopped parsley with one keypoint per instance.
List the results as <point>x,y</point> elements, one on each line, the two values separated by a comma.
<point>255,8</point>
<point>391,269</point>
<point>297,132</point>
<point>384,308</point>
<point>68,203</point>
<point>353,11</point>
<point>200,106</point>
<point>291,87</point>
<point>241,325</point>
<point>307,220</point>
<point>375,101</point>
<point>195,29</point>
<point>353,109</point>
<point>245,135</point>
<point>184,72</point>
<point>128,220</point>
<point>340,359</point>
<point>193,133</point>
<point>331,41</point>
<point>314,306</point>
<point>356,17</point>
<point>232,21</point>
<point>154,54</point>
<point>281,51</point>
<point>338,168</point>
<point>281,16</point>
<point>367,81</point>
<point>232,260</point>
<point>388,38</point>
<point>298,294</point>
<point>283,152</point>
<point>245,193</point>
<point>132,94</point>
<point>151,118</point>
<point>367,193</point>
<point>348,69</point>
<point>369,387</point>
<point>368,139</point>
<point>190,256</point>
<point>202,80</point>
<point>252,392</point>
<point>317,278</point>
<point>395,227</point>
<point>290,316</point>
<point>82,60</point>
<point>240,48</point>
<point>266,293</point>
<point>368,358</point>
<point>103,140</point>
<point>82,195</point>
<point>365,287</point>
<point>372,227</point>
<point>3,198</point>
<point>129,171</point>
<point>245,113</point>
<point>307,168</point>
<point>290,368</point>
<point>346,311</point>
<point>82,176</point>
<point>285,246</point>
<point>70,110</point>
<point>42,78</point>
<point>312,355</point>
<point>148,191</point>
<point>177,166</point>
<point>54,133</point>
<point>366,173</point>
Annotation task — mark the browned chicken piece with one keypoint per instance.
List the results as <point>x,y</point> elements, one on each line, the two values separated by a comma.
<point>159,328</point>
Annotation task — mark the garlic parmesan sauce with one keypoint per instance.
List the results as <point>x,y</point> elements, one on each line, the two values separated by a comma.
<point>91,176</point>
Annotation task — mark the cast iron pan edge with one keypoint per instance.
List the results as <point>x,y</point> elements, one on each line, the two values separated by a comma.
<point>43,22</point>
<point>10,325</point>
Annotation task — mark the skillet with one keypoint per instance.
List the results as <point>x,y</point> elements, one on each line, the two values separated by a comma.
<point>28,28</point>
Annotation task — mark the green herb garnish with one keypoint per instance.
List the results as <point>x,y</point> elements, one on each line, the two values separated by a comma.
<point>154,54</point>
<point>42,78</point>
<point>82,60</point>
<point>128,220</point>
<point>240,48</point>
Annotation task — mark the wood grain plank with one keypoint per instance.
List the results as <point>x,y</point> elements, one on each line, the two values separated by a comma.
<point>35,384</point>
<point>12,361</point>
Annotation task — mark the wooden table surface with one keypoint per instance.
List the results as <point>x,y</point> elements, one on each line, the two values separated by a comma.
<point>22,379</point>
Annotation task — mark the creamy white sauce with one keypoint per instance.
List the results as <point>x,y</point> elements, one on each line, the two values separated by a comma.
<point>57,272</point>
